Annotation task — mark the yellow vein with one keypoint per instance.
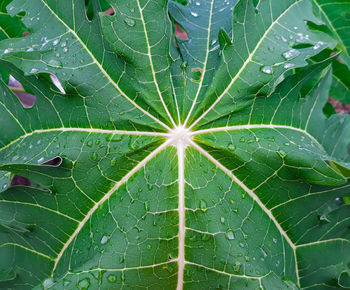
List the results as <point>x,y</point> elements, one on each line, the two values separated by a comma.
<point>39,206</point>
<point>88,130</point>
<point>251,194</point>
<point>249,127</point>
<point>126,268</point>
<point>27,249</point>
<point>205,64</point>
<point>152,65</point>
<point>106,197</point>
<point>322,242</point>
<point>249,59</point>
<point>225,273</point>
<point>182,225</point>
<point>103,70</point>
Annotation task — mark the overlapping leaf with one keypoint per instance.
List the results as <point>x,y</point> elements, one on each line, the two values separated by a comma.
<point>336,15</point>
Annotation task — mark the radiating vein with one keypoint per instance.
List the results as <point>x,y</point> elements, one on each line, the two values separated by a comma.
<point>254,126</point>
<point>204,66</point>
<point>151,64</point>
<point>106,197</point>
<point>104,71</point>
<point>249,59</point>
<point>88,130</point>
<point>252,195</point>
<point>182,225</point>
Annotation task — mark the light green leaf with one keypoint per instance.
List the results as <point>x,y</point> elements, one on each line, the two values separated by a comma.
<point>172,163</point>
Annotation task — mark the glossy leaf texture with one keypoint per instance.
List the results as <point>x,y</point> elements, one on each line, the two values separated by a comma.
<point>336,16</point>
<point>163,162</point>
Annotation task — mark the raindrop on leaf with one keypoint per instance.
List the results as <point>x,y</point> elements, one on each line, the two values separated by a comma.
<point>130,22</point>
<point>229,234</point>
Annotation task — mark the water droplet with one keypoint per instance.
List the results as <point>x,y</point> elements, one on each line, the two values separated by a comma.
<point>290,54</point>
<point>282,153</point>
<point>64,44</point>
<point>318,45</point>
<point>113,161</point>
<point>263,252</point>
<point>213,42</point>
<point>266,69</point>
<point>229,234</point>
<point>47,283</point>
<point>55,63</point>
<point>242,139</point>
<point>112,278</point>
<point>278,263</point>
<point>94,156</point>
<point>241,245</point>
<point>89,143</point>
<point>284,39</point>
<point>203,206</point>
<point>113,138</point>
<point>295,28</point>
<point>231,147</point>
<point>130,22</point>
<point>198,3</point>
<point>194,14</point>
<point>274,241</point>
<point>289,65</point>
<point>65,49</point>
<point>33,71</point>
<point>4,186</point>
<point>55,42</point>
<point>40,160</point>
<point>14,158</point>
<point>104,240</point>
<point>222,220</point>
<point>30,49</point>
<point>84,284</point>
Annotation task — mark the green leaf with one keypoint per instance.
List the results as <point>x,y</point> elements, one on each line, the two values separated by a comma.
<point>341,79</point>
<point>5,180</point>
<point>162,162</point>
<point>336,15</point>
<point>9,27</point>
